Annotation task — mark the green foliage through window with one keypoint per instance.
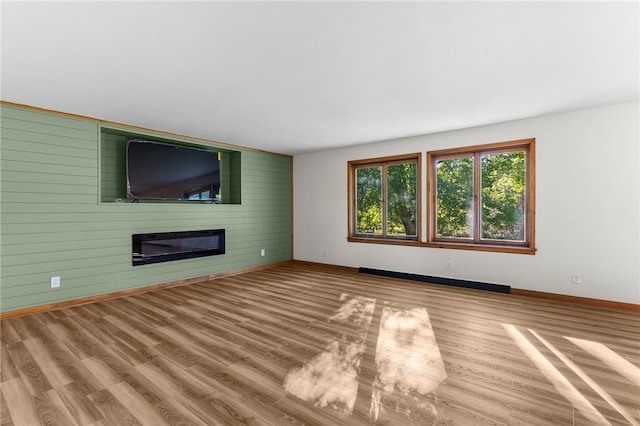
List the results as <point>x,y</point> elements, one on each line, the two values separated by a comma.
<point>369,200</point>
<point>503,196</point>
<point>454,197</point>
<point>480,195</point>
<point>401,199</point>
<point>386,202</point>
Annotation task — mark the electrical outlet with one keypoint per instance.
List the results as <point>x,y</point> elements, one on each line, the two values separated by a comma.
<point>55,282</point>
<point>325,253</point>
<point>262,252</point>
<point>576,279</point>
<point>448,265</point>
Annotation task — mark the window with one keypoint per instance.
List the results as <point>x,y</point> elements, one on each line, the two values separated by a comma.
<point>201,193</point>
<point>482,197</point>
<point>384,202</point>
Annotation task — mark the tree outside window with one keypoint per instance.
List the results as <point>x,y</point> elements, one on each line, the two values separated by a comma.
<point>384,198</point>
<point>482,197</point>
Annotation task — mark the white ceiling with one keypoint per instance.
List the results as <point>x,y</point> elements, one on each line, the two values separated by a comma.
<point>297,77</point>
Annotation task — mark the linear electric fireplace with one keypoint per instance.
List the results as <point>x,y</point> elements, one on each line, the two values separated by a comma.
<point>166,246</point>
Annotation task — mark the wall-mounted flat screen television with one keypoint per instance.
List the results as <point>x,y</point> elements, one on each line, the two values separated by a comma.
<point>163,171</point>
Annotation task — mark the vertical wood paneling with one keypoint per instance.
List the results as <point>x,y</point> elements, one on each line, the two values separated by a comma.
<point>58,187</point>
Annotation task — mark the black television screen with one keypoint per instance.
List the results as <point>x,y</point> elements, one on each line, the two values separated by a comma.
<point>172,172</point>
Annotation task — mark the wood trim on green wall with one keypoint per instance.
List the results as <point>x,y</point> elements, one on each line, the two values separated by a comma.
<point>123,293</point>
<point>133,128</point>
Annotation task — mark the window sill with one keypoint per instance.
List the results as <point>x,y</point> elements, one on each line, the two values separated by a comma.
<point>479,247</point>
<point>455,246</point>
<point>391,241</point>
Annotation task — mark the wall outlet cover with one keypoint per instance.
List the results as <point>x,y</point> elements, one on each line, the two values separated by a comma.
<point>55,282</point>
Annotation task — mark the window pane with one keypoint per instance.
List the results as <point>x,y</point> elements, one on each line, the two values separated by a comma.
<point>401,199</point>
<point>454,198</point>
<point>503,196</point>
<point>369,200</point>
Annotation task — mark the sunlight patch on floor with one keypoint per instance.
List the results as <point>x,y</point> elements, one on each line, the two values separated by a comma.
<point>408,360</point>
<point>557,379</point>
<point>331,378</point>
<point>610,358</point>
<point>588,380</point>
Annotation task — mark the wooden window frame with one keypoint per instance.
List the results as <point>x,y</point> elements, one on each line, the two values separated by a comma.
<point>384,162</point>
<point>526,247</point>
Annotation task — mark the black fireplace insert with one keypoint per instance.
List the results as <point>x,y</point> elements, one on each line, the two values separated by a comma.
<point>167,246</point>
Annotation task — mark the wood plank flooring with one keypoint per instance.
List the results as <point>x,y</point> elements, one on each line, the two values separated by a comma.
<point>305,344</point>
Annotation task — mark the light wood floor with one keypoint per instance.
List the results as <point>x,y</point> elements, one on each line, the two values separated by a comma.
<point>308,344</point>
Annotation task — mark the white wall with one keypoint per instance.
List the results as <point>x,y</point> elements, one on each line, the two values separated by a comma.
<point>587,207</point>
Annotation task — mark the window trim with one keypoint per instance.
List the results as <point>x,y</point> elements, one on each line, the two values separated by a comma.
<point>351,201</point>
<point>526,247</point>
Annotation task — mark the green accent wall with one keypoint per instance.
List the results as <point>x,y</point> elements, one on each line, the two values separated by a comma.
<point>60,181</point>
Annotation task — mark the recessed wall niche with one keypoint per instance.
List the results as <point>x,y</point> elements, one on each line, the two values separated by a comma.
<point>113,166</point>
